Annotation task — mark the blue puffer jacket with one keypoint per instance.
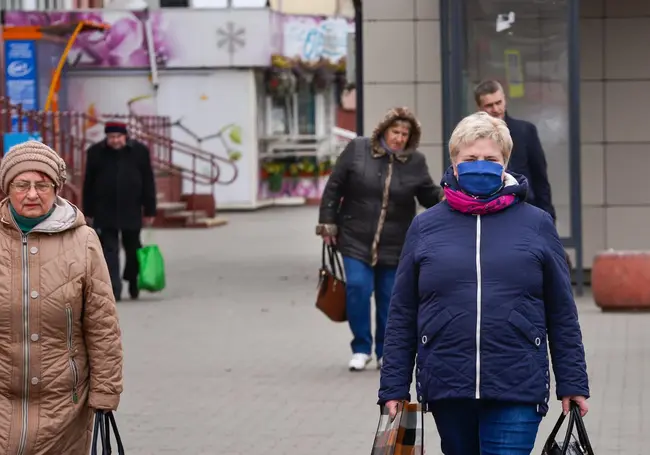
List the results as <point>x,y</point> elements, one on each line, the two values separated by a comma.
<point>476,298</point>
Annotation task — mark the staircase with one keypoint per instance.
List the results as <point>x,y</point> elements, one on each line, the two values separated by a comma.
<point>177,210</point>
<point>67,132</point>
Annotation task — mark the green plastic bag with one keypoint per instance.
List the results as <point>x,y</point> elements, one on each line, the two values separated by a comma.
<point>152,269</point>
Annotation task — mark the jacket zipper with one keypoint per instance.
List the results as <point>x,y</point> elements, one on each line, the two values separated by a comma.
<point>26,348</point>
<point>383,209</point>
<point>479,296</point>
<point>73,363</point>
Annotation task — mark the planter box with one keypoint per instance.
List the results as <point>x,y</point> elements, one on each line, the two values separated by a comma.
<point>619,280</point>
<point>309,188</point>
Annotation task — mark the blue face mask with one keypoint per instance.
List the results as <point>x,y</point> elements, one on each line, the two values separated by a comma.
<point>480,178</point>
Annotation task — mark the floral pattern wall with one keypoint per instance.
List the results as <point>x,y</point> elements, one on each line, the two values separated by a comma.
<point>123,45</point>
<point>180,37</point>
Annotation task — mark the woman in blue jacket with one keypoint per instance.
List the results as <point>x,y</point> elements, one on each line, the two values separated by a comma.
<point>482,285</point>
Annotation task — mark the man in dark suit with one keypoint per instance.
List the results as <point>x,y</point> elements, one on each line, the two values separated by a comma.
<point>527,156</point>
<point>118,191</point>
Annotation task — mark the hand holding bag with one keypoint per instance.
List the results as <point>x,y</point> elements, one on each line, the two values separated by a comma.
<point>570,446</point>
<point>104,421</point>
<point>331,286</point>
<point>404,435</point>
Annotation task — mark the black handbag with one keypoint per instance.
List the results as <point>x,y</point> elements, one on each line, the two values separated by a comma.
<point>104,421</point>
<point>570,445</point>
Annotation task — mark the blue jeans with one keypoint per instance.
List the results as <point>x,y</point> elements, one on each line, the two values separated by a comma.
<point>361,280</point>
<point>485,427</point>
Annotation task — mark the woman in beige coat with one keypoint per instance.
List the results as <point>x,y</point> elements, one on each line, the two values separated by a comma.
<point>60,345</point>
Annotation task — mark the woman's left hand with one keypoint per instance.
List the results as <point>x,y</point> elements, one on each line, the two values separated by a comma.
<point>579,400</point>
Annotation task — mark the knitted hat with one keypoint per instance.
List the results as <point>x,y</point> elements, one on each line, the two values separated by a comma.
<point>31,156</point>
<point>115,127</point>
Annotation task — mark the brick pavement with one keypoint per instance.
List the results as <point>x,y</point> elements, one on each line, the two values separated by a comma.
<point>234,360</point>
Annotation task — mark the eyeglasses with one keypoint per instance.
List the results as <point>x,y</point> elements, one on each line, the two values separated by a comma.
<point>23,186</point>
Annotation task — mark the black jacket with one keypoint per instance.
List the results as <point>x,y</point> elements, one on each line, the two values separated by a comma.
<point>119,187</point>
<point>528,159</point>
<point>368,212</point>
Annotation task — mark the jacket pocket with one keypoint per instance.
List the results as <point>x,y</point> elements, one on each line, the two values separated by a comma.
<point>434,327</point>
<point>527,328</point>
<point>425,356</point>
<point>71,360</point>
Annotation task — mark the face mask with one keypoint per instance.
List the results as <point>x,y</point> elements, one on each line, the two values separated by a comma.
<point>480,178</point>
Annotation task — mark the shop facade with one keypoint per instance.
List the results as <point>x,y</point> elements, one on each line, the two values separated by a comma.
<point>256,88</point>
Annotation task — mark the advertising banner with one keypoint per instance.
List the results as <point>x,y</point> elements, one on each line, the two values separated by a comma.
<point>21,76</point>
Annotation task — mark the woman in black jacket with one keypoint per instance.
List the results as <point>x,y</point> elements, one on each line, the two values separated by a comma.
<point>366,209</point>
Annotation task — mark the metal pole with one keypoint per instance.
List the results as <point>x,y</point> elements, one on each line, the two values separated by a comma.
<point>358,47</point>
<point>458,32</point>
<point>573,28</point>
<point>446,81</point>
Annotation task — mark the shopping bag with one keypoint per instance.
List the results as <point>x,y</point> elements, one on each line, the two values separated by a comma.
<point>404,435</point>
<point>104,422</point>
<point>570,445</point>
<point>331,286</point>
<point>151,276</point>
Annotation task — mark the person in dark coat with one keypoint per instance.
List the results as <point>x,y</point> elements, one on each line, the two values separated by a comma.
<point>528,158</point>
<point>366,208</point>
<point>482,289</point>
<point>119,189</point>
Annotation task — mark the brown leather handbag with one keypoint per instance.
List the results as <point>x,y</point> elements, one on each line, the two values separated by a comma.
<point>331,286</point>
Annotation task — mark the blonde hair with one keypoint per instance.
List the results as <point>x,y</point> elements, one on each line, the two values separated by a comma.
<point>480,126</point>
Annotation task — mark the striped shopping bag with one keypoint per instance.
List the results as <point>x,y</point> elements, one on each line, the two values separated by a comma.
<point>404,435</point>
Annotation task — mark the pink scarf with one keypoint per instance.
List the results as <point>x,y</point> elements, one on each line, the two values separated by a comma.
<point>465,203</point>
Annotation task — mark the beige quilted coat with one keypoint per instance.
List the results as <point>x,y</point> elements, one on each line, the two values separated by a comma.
<point>60,342</point>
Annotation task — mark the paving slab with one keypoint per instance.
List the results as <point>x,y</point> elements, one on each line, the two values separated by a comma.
<point>233,358</point>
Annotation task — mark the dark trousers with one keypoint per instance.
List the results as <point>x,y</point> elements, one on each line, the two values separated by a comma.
<point>361,280</point>
<point>110,239</point>
<point>485,427</point>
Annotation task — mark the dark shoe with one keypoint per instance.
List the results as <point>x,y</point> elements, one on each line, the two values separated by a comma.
<point>134,291</point>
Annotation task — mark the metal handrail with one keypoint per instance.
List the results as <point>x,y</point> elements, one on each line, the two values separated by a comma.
<point>67,132</point>
<point>138,128</point>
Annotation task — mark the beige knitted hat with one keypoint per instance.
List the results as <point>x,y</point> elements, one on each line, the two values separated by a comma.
<point>31,156</point>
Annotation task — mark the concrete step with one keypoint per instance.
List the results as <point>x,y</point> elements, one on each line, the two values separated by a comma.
<point>208,222</point>
<point>187,214</point>
<point>172,206</point>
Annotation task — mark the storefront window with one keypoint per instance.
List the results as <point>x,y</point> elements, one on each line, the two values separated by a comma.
<point>306,109</point>
<point>280,116</point>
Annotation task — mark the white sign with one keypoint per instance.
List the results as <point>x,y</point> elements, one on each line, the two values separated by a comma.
<point>312,38</point>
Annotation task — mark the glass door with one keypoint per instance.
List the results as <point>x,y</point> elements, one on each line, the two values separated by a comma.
<point>524,45</point>
<point>530,47</point>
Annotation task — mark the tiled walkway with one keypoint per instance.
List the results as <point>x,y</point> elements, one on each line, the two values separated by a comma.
<point>233,359</point>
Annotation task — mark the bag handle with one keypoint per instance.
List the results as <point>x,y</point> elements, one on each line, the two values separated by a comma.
<point>575,421</point>
<point>556,429</point>
<point>422,413</point>
<point>583,437</point>
<point>104,421</point>
<point>330,253</point>
<point>147,236</point>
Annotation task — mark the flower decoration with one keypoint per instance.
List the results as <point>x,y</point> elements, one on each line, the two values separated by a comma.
<point>280,83</point>
<point>123,45</point>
